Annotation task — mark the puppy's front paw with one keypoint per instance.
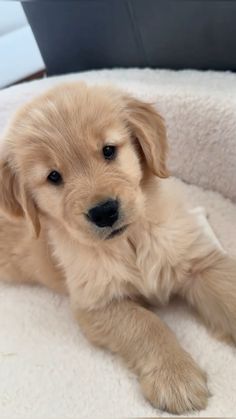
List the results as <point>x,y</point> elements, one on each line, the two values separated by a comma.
<point>178,386</point>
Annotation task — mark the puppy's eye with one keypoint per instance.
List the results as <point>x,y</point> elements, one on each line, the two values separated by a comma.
<point>109,152</point>
<point>55,177</point>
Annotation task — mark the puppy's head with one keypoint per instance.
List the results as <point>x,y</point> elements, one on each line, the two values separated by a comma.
<point>80,156</point>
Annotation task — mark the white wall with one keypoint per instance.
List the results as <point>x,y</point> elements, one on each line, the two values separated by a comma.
<point>19,54</point>
<point>11,16</point>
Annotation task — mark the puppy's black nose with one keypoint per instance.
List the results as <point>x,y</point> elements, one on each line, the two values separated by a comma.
<point>105,214</point>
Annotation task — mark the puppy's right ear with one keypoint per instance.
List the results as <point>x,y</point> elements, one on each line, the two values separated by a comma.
<point>9,191</point>
<point>15,202</point>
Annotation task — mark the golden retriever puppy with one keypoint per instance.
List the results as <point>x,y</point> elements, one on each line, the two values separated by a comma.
<point>86,210</point>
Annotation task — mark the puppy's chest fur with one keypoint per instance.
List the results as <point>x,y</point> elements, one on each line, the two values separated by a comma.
<point>149,261</point>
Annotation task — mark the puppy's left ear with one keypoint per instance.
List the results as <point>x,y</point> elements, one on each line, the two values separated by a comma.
<point>15,202</point>
<point>148,128</point>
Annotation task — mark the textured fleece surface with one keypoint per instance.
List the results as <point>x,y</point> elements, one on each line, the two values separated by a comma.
<point>47,368</point>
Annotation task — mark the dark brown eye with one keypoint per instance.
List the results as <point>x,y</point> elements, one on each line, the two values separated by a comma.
<point>55,177</point>
<point>109,152</point>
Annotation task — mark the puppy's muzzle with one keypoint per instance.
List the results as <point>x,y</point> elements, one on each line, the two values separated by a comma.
<point>104,214</point>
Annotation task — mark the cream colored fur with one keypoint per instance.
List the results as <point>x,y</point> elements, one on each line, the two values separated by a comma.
<point>165,250</point>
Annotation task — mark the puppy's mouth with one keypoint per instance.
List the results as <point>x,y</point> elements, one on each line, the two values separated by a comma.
<point>117,232</point>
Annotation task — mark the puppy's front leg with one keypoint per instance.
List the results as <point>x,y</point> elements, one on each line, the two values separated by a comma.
<point>169,377</point>
<point>212,291</point>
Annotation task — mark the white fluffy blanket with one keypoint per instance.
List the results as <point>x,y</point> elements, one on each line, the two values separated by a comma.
<point>47,368</point>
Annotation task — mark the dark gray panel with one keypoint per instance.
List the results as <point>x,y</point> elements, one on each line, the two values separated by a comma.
<point>90,34</point>
<point>193,34</point>
<point>80,35</point>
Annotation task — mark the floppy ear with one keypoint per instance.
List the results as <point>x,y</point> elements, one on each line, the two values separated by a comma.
<point>14,201</point>
<point>148,128</point>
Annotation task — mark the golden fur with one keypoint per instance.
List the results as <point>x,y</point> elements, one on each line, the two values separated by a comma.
<point>45,236</point>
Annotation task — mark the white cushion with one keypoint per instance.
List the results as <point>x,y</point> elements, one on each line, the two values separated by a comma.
<point>47,367</point>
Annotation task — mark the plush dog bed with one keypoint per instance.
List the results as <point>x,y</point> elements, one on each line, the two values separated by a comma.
<point>47,368</point>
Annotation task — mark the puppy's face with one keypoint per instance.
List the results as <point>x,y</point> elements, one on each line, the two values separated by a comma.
<point>79,155</point>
